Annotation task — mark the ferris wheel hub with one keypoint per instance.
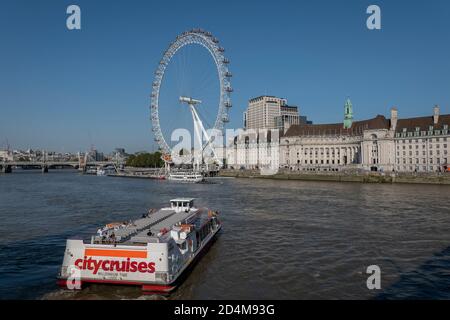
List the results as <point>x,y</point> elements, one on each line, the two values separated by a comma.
<point>190,100</point>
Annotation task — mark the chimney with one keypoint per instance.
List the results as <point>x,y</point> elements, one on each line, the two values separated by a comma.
<point>394,118</point>
<point>436,114</point>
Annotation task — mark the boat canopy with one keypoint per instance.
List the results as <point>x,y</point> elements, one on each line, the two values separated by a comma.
<point>182,204</point>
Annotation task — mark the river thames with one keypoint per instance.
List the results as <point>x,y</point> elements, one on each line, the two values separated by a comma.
<point>280,239</point>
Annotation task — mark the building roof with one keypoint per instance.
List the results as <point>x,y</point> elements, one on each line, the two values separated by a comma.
<point>182,200</point>
<point>267,97</point>
<point>289,108</point>
<point>357,128</point>
<point>423,123</point>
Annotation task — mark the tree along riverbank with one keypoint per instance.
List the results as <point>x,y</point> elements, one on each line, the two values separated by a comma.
<point>432,178</point>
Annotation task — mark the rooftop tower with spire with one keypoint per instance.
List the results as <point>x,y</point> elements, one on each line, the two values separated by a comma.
<point>348,114</point>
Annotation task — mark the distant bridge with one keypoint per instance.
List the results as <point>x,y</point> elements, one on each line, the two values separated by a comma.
<point>6,167</point>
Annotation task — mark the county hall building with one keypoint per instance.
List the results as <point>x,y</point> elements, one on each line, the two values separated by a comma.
<point>378,144</point>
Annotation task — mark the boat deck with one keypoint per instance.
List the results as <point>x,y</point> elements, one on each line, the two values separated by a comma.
<point>138,231</point>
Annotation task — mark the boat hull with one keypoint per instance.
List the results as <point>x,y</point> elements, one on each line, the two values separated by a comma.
<point>85,272</point>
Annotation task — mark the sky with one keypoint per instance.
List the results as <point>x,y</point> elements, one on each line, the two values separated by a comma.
<point>66,91</point>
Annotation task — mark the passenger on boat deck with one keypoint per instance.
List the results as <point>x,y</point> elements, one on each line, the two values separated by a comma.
<point>100,232</point>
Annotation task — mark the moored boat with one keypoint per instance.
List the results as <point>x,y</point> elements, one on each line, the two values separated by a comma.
<point>105,171</point>
<point>152,252</point>
<point>186,177</point>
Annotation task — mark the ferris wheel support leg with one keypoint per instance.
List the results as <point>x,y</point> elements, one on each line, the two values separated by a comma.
<point>198,132</point>
<point>200,126</point>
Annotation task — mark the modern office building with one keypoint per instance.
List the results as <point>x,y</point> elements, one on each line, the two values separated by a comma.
<point>269,112</point>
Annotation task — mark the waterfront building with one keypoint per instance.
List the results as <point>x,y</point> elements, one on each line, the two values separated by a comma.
<point>422,144</point>
<point>378,144</point>
<point>382,144</point>
<point>254,149</point>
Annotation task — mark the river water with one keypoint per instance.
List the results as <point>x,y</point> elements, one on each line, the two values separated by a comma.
<point>280,239</point>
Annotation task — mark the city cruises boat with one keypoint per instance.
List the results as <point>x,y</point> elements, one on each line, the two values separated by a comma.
<point>152,252</point>
<point>186,177</point>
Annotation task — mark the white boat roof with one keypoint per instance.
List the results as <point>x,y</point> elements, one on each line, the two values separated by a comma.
<point>183,199</point>
<point>138,232</point>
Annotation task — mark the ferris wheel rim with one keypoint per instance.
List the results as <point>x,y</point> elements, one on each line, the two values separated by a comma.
<point>208,41</point>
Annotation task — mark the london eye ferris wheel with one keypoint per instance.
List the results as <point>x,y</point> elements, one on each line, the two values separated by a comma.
<point>220,111</point>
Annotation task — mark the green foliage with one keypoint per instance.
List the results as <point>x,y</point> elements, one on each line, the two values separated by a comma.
<point>145,160</point>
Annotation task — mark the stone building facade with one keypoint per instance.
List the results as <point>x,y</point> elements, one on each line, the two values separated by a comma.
<point>422,144</point>
<point>378,144</point>
<point>254,149</point>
